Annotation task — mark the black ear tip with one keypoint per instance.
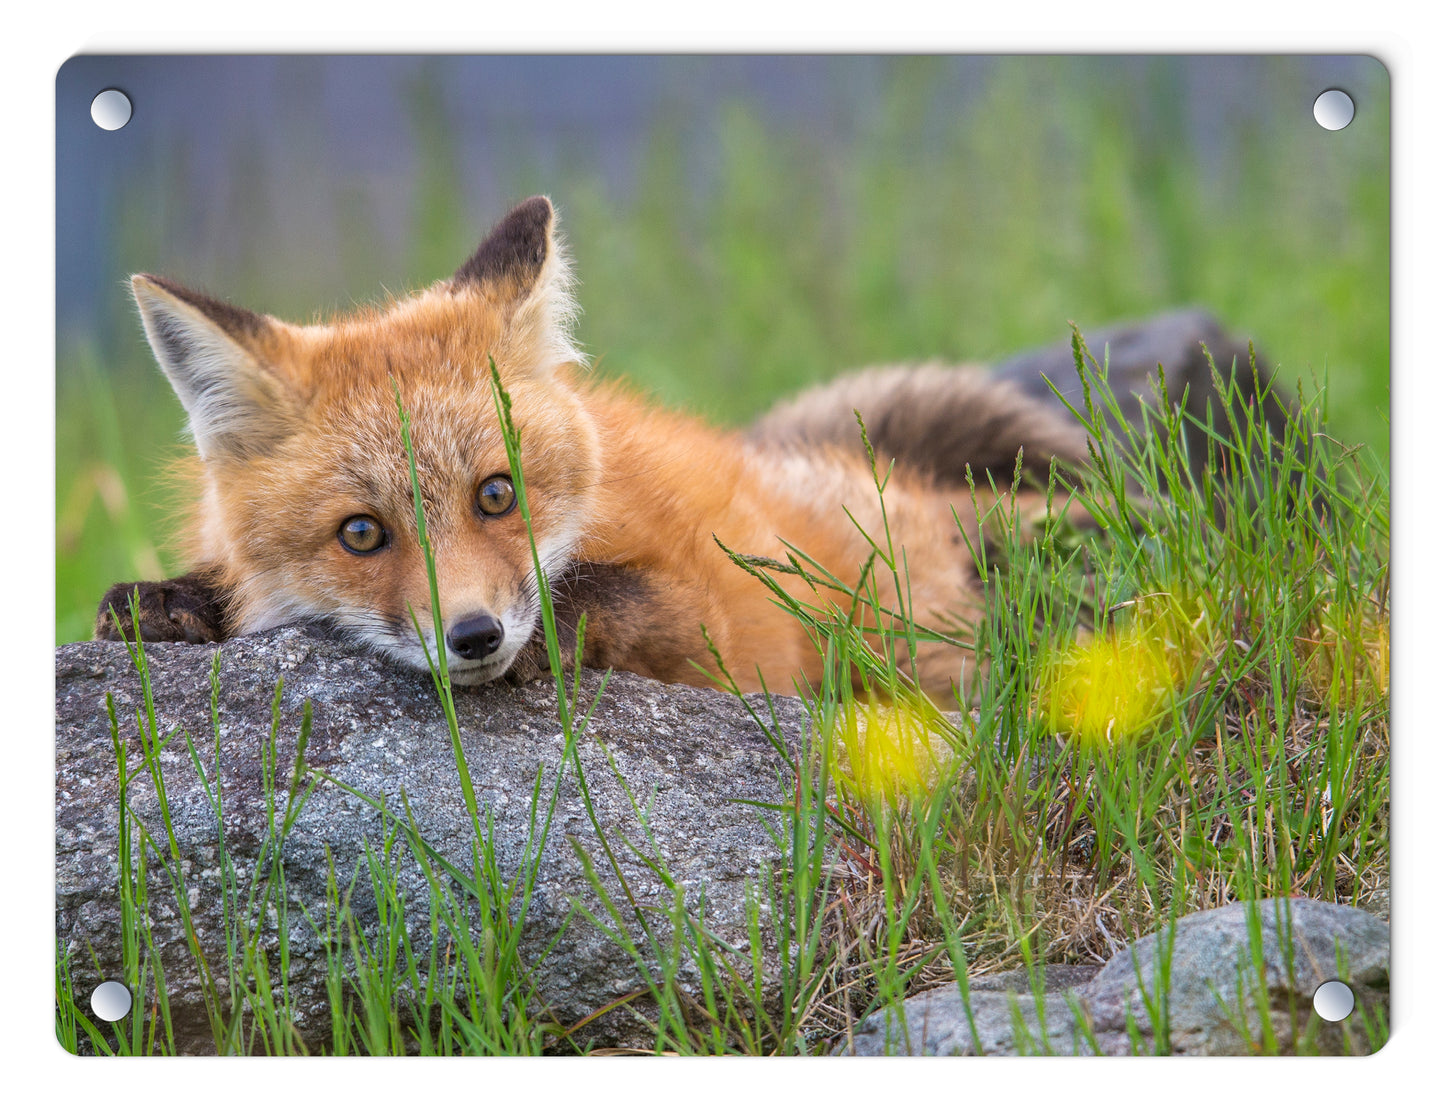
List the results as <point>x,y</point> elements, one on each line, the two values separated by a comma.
<point>240,323</point>
<point>529,220</point>
<point>516,248</point>
<point>534,210</point>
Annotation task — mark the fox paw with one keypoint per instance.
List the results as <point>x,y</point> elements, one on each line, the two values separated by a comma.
<point>185,609</point>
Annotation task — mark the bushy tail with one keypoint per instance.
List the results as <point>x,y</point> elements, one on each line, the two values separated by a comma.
<point>944,419</point>
<point>933,417</point>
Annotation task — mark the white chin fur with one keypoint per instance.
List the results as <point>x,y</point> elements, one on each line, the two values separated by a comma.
<point>486,671</point>
<point>519,622</point>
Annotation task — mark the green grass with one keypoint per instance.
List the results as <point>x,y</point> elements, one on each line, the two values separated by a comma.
<point>1035,830</point>
<point>1065,192</point>
<point>1061,818</point>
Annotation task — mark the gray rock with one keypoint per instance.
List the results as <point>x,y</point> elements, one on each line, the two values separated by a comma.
<point>1174,341</point>
<point>1222,985</point>
<point>687,756</point>
<point>1222,991</point>
<point>1056,978</point>
<point>1162,350</point>
<point>1006,1018</point>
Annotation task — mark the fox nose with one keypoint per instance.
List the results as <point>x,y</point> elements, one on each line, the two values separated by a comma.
<point>475,637</point>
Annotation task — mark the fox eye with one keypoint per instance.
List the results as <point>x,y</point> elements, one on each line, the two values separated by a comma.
<point>496,496</point>
<point>361,534</point>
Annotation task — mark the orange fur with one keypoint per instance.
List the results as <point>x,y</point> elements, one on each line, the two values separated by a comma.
<point>297,431</point>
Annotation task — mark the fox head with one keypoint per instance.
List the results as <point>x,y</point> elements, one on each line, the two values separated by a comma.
<point>306,504</point>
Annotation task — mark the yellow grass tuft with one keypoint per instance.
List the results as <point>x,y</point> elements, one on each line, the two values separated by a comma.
<point>1115,686</point>
<point>892,751</point>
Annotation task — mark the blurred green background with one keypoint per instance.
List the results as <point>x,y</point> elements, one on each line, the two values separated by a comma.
<point>740,227</point>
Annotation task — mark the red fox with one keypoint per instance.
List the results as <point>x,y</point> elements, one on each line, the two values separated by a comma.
<point>304,507</point>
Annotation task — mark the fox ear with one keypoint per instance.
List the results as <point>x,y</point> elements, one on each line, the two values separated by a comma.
<point>523,269</point>
<point>215,357</point>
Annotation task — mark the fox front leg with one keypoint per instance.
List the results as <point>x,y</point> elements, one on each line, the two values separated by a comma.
<point>637,621</point>
<point>572,595</point>
<point>190,608</point>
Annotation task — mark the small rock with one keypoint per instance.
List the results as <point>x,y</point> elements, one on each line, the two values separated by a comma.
<point>1222,987</point>
<point>1226,994</point>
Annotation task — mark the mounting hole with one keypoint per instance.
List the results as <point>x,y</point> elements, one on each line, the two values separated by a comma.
<point>1334,1001</point>
<point>110,109</point>
<point>1334,109</point>
<point>110,1001</point>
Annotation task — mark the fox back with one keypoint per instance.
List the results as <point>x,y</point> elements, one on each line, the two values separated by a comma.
<point>305,506</point>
